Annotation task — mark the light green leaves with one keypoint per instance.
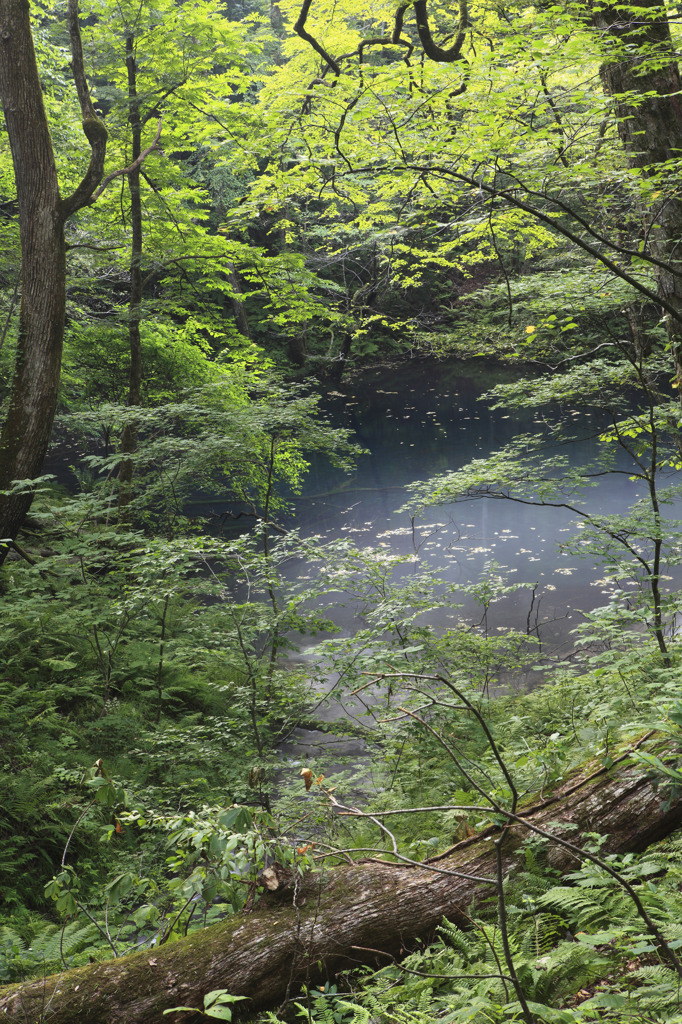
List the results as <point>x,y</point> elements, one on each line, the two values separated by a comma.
<point>217,1005</point>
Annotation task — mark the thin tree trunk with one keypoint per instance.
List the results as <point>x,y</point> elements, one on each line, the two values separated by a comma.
<point>302,932</point>
<point>129,435</point>
<point>240,316</point>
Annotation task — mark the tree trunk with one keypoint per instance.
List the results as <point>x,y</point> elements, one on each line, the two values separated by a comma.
<point>42,214</point>
<point>641,74</point>
<point>26,431</point>
<point>297,934</point>
<point>129,434</point>
<point>240,316</point>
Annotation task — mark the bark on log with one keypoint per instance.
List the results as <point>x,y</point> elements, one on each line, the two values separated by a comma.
<point>291,935</point>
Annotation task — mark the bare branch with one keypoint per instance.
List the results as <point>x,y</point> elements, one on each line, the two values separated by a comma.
<point>300,30</point>
<point>93,127</point>
<point>431,48</point>
<point>154,110</point>
<point>95,248</point>
<point>131,167</point>
<point>555,225</point>
<point>398,24</point>
<point>384,41</point>
<point>334,64</point>
<point>645,257</point>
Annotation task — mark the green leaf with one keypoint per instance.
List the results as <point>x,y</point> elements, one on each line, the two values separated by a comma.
<point>220,1012</point>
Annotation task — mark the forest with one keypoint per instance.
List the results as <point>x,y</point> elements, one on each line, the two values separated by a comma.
<point>340,511</point>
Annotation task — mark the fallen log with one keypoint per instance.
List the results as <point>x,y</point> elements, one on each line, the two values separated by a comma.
<point>315,928</point>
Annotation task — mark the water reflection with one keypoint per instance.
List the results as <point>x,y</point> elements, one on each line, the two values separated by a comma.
<point>421,419</point>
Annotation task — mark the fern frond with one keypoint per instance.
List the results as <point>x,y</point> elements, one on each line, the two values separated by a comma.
<point>653,973</point>
<point>360,1014</point>
<point>540,934</point>
<point>8,937</point>
<point>455,938</point>
<point>53,942</point>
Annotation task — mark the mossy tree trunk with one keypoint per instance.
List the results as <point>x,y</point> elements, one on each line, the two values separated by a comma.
<point>294,936</point>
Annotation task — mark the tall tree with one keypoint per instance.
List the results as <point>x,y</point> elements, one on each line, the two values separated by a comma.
<point>170,66</point>
<point>42,215</point>
<point>641,74</point>
<point>128,440</point>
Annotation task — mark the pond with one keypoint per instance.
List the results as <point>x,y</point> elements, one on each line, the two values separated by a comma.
<point>426,417</point>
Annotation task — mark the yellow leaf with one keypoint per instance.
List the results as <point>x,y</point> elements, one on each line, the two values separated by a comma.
<point>529,330</point>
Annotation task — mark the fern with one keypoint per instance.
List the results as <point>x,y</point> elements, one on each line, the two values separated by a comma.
<point>658,988</point>
<point>456,939</point>
<point>588,909</point>
<point>542,934</point>
<point>321,1012</point>
<point>54,942</point>
<point>523,887</point>
<point>568,967</point>
<point>359,1015</point>
<point>327,1007</point>
<point>8,937</point>
<point>48,949</point>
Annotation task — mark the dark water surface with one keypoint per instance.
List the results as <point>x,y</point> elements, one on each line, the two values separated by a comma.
<point>424,418</point>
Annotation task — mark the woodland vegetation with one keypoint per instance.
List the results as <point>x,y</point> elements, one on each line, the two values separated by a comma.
<point>214,215</point>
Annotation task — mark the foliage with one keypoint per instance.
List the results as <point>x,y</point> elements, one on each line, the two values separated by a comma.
<point>300,217</point>
<point>217,1005</point>
<point>246,437</point>
<point>49,949</point>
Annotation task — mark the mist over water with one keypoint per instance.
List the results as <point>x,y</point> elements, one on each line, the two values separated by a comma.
<point>424,418</point>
